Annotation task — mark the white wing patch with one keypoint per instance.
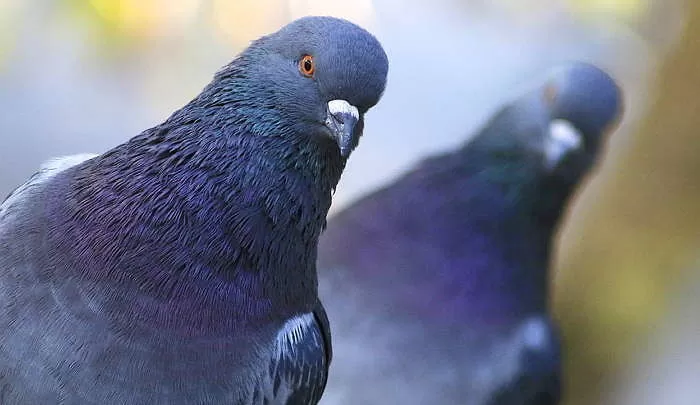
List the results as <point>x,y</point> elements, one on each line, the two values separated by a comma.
<point>47,170</point>
<point>287,342</point>
<point>505,363</point>
<point>292,333</point>
<point>536,333</point>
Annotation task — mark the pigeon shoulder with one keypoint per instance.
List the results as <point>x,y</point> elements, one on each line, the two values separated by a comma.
<point>46,171</point>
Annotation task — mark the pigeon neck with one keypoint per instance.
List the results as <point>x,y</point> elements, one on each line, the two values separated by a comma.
<point>205,214</point>
<point>482,247</point>
<point>515,186</point>
<point>497,254</point>
<point>508,211</point>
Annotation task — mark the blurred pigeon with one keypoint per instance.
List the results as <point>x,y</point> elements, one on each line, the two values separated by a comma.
<point>180,267</point>
<point>436,285</point>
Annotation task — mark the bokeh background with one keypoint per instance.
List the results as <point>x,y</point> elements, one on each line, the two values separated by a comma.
<point>85,75</point>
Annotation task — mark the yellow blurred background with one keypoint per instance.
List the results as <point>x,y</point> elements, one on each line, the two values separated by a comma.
<point>84,75</point>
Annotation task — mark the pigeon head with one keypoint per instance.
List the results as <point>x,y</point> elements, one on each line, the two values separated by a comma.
<point>321,73</point>
<point>587,99</point>
<point>549,138</point>
<point>584,104</point>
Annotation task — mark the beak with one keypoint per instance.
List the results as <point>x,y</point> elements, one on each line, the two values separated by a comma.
<point>562,139</point>
<point>341,121</point>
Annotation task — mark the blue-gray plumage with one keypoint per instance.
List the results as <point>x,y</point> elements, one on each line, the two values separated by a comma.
<point>180,266</point>
<point>436,285</point>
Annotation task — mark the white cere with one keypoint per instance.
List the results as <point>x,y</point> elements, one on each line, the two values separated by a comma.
<point>563,138</point>
<point>343,107</point>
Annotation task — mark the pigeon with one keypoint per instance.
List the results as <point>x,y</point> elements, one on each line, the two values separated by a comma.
<point>436,285</point>
<point>180,266</point>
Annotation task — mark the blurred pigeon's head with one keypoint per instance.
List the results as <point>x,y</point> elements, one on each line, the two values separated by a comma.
<point>557,128</point>
<point>320,73</point>
<point>540,146</point>
<point>584,104</point>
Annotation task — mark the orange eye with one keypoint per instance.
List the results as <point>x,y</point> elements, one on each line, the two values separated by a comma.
<point>307,67</point>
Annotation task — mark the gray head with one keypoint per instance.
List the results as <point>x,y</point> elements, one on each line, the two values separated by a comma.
<point>584,103</point>
<point>558,126</point>
<point>587,98</point>
<point>323,73</point>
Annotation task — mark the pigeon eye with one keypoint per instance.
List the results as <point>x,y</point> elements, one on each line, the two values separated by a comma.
<point>550,93</point>
<point>307,67</point>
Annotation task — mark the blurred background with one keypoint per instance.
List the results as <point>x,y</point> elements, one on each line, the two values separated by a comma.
<point>85,75</point>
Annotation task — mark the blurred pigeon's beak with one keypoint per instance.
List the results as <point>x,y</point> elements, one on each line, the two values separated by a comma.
<point>341,120</point>
<point>562,139</point>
